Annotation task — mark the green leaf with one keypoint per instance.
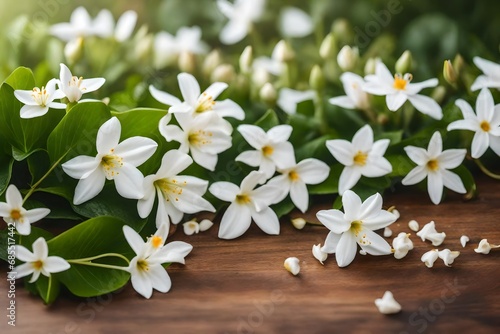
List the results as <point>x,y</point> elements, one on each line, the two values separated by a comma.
<point>21,78</point>
<point>109,203</point>
<point>468,181</point>
<point>6,164</point>
<point>23,135</point>
<point>48,288</point>
<point>315,149</point>
<point>284,207</point>
<point>93,237</point>
<point>268,120</point>
<point>77,132</point>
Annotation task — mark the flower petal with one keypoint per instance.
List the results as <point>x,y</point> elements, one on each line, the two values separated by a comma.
<point>190,89</point>
<point>343,102</point>
<point>136,150</point>
<point>376,246</point>
<point>174,251</point>
<point>396,101</point>
<point>235,222</point>
<point>24,270</point>
<point>25,96</point>
<point>55,264</point>
<point>331,242</point>
<point>224,191</point>
<point>484,105</point>
<point>140,282</point>
<point>426,105</point>
<point>125,25</point>
<point>480,144</point>
<point>40,249</point>
<point>251,181</point>
<point>452,181</point>
<point>233,32</point>
<point>334,220</point>
<point>342,150</point>
<point>163,97</point>
<point>160,280</point>
<point>254,135</point>
<point>363,139</point>
<point>470,124</point>
<point>312,171</point>
<point>91,85</point>
<point>435,187</point>
<point>25,255</point>
<point>416,175</point>
<point>251,158</point>
<point>435,146</point>
<point>348,179</point>
<point>89,187</point>
<point>294,22</point>
<point>229,108</point>
<point>283,155</point>
<point>267,220</point>
<point>280,133</point>
<point>465,108</point>
<point>346,249</point>
<point>452,158</point>
<point>35,215</point>
<point>215,89</point>
<point>414,88</point>
<point>28,111</point>
<point>129,181</point>
<point>81,166</point>
<point>108,135</point>
<point>299,195</point>
<point>13,197</point>
<point>134,240</point>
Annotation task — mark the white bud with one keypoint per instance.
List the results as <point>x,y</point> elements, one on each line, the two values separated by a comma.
<point>73,50</point>
<point>387,232</point>
<point>186,62</point>
<point>428,232</point>
<point>283,52</point>
<point>299,223</point>
<point>191,227</point>
<point>401,245</point>
<point>430,257</point>
<point>485,247</point>
<point>292,265</point>
<point>370,65</point>
<point>205,224</point>
<point>223,73</point>
<point>413,225</point>
<point>396,213</point>
<point>347,58</point>
<point>362,252</point>
<point>448,256</point>
<point>246,60</point>
<point>212,60</point>
<point>260,76</point>
<point>387,304</point>
<point>328,47</point>
<point>268,93</point>
<point>464,240</point>
<point>319,254</point>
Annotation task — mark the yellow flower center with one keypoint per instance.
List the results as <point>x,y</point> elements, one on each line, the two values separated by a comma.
<point>40,96</point>
<point>15,214</point>
<point>485,126</point>
<point>360,158</point>
<point>38,265</point>
<point>267,150</point>
<point>76,82</point>
<point>205,103</point>
<point>400,81</point>
<point>294,176</point>
<point>200,137</point>
<point>111,164</point>
<point>356,227</point>
<point>143,265</point>
<point>243,199</point>
<point>170,188</point>
<point>156,241</point>
<point>433,165</point>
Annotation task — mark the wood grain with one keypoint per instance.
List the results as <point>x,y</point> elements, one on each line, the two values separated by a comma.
<point>240,286</point>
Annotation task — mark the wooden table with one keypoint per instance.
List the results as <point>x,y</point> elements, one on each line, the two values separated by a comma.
<point>240,286</point>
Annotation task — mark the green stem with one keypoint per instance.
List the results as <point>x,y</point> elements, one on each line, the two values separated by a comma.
<point>319,113</point>
<point>256,39</point>
<point>486,170</point>
<point>100,265</point>
<point>33,188</point>
<point>88,259</point>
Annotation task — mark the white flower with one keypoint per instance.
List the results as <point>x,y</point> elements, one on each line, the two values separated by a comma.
<point>197,103</point>
<point>74,87</point>
<point>464,240</point>
<point>167,47</point>
<point>12,211</point>
<point>356,97</point>
<point>430,257</point>
<point>387,232</point>
<point>293,180</point>
<point>448,256</point>
<point>38,101</point>
<point>356,226</point>
<point>146,270</point>
<point>38,262</point>
<point>294,22</point>
<point>319,254</point>
<point>299,223</point>
<point>177,194</point>
<point>80,25</point>
<point>347,57</point>
<point>292,264</point>
<point>247,203</point>
<point>413,225</point>
<point>272,148</point>
<point>114,161</point>
<point>486,124</point>
<point>434,163</point>
<point>205,224</point>
<point>204,136</point>
<point>362,157</point>
<point>490,77</point>
<point>104,25</point>
<point>398,89</point>
<point>485,247</point>
<point>428,232</point>
<point>241,14</point>
<point>289,98</point>
<point>191,227</point>
<point>387,304</point>
<point>402,245</point>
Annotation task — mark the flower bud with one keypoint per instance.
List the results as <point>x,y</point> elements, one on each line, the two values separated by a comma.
<point>143,47</point>
<point>387,304</point>
<point>205,224</point>
<point>268,94</point>
<point>370,65</point>
<point>448,256</point>
<point>430,257</point>
<point>328,47</point>
<point>223,73</point>
<point>342,30</point>
<point>458,64</point>
<point>316,78</point>
<point>413,225</point>
<point>449,73</point>
<point>464,240</point>
<point>403,64</point>
<point>347,58</point>
<point>319,254</point>
<point>73,50</point>
<point>191,227</point>
<point>246,60</point>
<point>283,52</point>
<point>187,62</point>
<point>299,223</point>
<point>212,60</point>
<point>438,94</point>
<point>292,265</point>
<point>387,232</point>
<point>260,77</point>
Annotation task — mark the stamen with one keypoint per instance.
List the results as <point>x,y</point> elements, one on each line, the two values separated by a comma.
<point>38,265</point>
<point>356,227</point>
<point>243,199</point>
<point>156,241</point>
<point>360,158</point>
<point>15,214</point>
<point>143,265</point>
<point>400,82</point>
<point>205,103</point>
<point>111,164</point>
<point>485,126</point>
<point>433,165</point>
<point>294,176</point>
<point>267,150</point>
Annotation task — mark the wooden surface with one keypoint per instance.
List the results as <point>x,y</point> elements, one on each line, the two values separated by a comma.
<point>240,286</point>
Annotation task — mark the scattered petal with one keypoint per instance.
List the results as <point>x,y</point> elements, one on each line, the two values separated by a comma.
<point>292,264</point>
<point>319,254</point>
<point>448,256</point>
<point>430,257</point>
<point>464,240</point>
<point>413,225</point>
<point>387,304</point>
<point>387,232</point>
